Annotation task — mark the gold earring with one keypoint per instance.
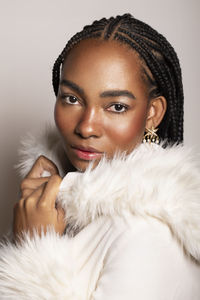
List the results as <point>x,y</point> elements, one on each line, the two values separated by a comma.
<point>150,136</point>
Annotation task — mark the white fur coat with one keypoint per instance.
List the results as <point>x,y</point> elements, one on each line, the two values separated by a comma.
<point>133,230</point>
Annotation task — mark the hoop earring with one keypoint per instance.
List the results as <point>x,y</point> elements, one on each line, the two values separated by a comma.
<point>150,136</point>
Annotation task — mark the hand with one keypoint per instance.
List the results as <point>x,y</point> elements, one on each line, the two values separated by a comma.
<point>37,209</point>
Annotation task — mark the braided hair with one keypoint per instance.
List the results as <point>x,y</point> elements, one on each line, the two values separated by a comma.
<point>160,65</point>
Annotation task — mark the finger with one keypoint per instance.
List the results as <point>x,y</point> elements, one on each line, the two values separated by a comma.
<point>50,192</point>
<point>26,193</point>
<point>33,183</point>
<point>42,164</point>
<point>20,204</point>
<point>33,199</point>
<point>18,221</point>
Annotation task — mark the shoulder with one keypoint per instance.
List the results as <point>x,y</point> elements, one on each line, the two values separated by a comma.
<point>151,181</point>
<point>146,262</point>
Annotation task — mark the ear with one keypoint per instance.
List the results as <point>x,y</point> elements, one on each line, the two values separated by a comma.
<point>156,111</point>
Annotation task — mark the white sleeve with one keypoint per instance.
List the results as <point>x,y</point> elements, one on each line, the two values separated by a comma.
<point>141,266</point>
<point>148,266</point>
<point>39,268</point>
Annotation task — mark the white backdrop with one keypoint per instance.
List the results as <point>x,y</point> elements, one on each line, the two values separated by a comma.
<point>33,33</point>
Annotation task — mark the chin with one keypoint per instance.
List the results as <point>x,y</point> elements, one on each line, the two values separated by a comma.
<point>81,166</point>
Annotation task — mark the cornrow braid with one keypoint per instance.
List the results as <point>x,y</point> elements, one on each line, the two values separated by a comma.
<point>159,62</point>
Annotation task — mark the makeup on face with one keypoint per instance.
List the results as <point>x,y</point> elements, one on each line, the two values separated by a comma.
<point>102,102</point>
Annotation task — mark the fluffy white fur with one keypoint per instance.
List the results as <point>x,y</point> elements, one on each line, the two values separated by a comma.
<point>151,181</point>
<point>38,268</point>
<point>48,144</point>
<point>162,183</point>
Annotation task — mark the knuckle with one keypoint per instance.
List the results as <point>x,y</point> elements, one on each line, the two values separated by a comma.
<point>42,205</point>
<point>40,159</point>
<point>29,201</point>
<point>44,161</point>
<point>23,184</point>
<point>26,193</point>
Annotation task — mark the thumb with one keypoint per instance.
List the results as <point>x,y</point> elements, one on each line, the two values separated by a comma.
<point>51,191</point>
<point>41,167</point>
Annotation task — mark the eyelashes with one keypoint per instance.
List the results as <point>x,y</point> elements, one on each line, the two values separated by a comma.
<point>114,107</point>
<point>70,99</point>
<point>118,108</point>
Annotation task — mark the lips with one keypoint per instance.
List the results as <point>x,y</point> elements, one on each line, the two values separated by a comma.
<point>86,153</point>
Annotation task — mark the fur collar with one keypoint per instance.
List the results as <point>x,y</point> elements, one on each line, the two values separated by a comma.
<point>151,181</point>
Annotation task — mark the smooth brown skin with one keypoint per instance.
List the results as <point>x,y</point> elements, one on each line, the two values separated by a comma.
<point>99,69</point>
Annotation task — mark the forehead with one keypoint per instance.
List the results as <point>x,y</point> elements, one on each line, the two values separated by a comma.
<point>96,51</point>
<point>106,63</point>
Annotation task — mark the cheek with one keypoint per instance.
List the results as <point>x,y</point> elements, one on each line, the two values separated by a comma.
<point>128,130</point>
<point>63,123</point>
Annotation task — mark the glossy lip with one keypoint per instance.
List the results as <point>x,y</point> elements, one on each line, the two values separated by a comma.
<point>86,153</point>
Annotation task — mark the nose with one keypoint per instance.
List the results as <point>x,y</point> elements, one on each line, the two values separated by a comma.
<point>89,124</point>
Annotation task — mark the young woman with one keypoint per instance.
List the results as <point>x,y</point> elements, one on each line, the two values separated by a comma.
<point>104,215</point>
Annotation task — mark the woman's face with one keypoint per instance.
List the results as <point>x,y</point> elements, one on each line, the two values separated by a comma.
<point>102,103</point>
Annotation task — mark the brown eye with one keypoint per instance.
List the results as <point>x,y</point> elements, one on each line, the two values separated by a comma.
<point>70,99</point>
<point>118,108</point>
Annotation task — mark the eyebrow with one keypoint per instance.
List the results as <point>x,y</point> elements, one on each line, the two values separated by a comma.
<point>73,86</point>
<point>109,93</point>
<point>117,93</point>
